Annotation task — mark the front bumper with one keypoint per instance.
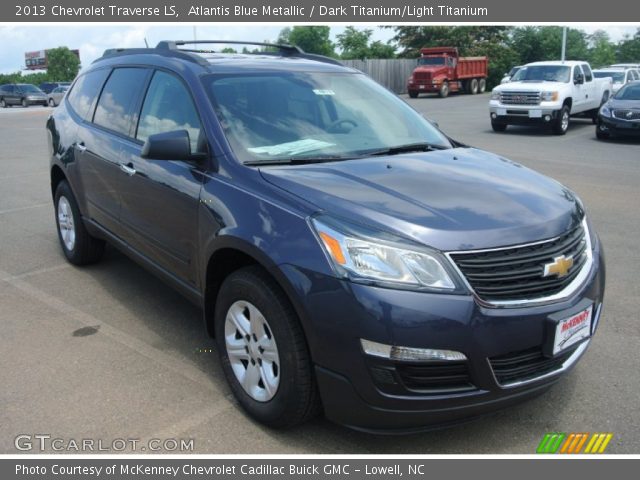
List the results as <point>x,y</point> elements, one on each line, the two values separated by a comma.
<point>523,115</point>
<point>337,314</point>
<point>619,127</point>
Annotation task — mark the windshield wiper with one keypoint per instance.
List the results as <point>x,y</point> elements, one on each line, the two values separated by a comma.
<point>410,147</point>
<point>298,160</point>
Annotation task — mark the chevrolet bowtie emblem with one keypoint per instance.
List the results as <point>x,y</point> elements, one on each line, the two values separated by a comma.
<point>560,266</point>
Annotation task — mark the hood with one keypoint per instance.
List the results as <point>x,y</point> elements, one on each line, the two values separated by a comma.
<point>615,103</point>
<point>454,199</point>
<point>530,86</point>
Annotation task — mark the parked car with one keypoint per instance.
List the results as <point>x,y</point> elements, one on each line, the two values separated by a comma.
<point>626,65</point>
<point>621,114</point>
<point>56,95</point>
<point>548,94</point>
<point>619,75</point>
<point>441,70</point>
<point>23,94</point>
<point>48,87</point>
<point>508,76</point>
<point>346,253</point>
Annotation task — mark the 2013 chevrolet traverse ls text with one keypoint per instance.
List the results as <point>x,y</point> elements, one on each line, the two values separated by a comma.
<point>348,256</point>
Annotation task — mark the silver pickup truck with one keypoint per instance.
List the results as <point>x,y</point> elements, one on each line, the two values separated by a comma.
<point>549,94</point>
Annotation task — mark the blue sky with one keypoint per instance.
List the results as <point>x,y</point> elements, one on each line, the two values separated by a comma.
<point>92,40</point>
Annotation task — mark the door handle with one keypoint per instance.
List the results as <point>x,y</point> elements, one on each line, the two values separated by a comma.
<point>81,147</point>
<point>129,170</point>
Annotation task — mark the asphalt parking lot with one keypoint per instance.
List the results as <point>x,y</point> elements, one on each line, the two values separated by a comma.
<point>109,352</point>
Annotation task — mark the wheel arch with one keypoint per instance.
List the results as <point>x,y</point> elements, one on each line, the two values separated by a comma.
<point>57,175</point>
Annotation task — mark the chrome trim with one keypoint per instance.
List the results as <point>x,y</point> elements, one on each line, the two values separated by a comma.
<point>565,293</point>
<point>568,363</point>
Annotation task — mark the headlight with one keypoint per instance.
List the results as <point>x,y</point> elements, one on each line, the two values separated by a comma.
<point>605,111</point>
<point>549,96</point>
<point>380,258</point>
<point>495,95</point>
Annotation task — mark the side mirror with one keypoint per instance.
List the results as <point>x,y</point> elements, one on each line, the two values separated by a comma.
<point>173,145</point>
<point>579,80</point>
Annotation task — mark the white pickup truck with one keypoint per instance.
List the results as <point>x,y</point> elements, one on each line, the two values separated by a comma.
<point>548,93</point>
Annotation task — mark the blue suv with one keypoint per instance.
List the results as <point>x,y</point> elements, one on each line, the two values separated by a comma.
<point>348,256</point>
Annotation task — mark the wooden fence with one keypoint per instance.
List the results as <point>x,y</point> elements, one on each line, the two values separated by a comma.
<point>392,73</point>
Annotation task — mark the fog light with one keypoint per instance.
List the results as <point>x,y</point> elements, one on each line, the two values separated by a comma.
<point>494,115</point>
<point>547,118</point>
<point>410,354</point>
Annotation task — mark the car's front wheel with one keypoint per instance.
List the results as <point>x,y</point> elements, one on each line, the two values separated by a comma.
<point>561,124</point>
<point>263,350</point>
<point>78,246</point>
<point>602,132</point>
<point>24,103</point>
<point>52,103</point>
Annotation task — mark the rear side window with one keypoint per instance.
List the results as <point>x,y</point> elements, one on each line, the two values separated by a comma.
<point>116,107</point>
<point>588,76</point>
<point>85,91</point>
<point>168,107</point>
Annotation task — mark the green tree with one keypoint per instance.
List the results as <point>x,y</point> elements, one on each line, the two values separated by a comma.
<point>311,39</point>
<point>602,51</point>
<point>356,44</point>
<point>63,64</point>
<point>228,50</point>
<point>628,50</point>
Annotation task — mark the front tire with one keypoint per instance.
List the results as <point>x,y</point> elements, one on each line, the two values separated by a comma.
<point>24,103</point>
<point>413,93</point>
<point>52,103</point>
<point>601,132</point>
<point>498,126</point>
<point>561,124</point>
<point>263,350</point>
<point>444,90</point>
<point>78,246</point>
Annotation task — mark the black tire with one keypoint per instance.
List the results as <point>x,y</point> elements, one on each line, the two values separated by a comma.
<point>86,249</point>
<point>561,123</point>
<point>24,103</point>
<point>601,132</point>
<point>52,103</point>
<point>473,86</point>
<point>413,93</point>
<point>3,104</point>
<point>498,126</point>
<point>444,90</point>
<point>296,399</point>
<point>482,85</point>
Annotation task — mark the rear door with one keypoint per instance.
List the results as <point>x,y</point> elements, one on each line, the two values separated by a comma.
<point>100,142</point>
<point>593,94</point>
<point>161,197</point>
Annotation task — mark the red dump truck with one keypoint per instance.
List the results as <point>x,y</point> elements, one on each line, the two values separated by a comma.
<point>441,70</point>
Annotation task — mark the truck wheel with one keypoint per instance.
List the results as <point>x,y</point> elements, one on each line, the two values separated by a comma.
<point>413,93</point>
<point>482,85</point>
<point>473,86</point>
<point>444,90</point>
<point>78,246</point>
<point>498,126</point>
<point>561,124</point>
<point>263,350</point>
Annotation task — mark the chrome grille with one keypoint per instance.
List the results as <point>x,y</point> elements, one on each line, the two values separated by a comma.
<point>517,273</point>
<point>626,114</point>
<point>520,98</point>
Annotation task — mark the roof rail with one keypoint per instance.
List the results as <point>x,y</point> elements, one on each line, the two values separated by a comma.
<point>185,55</point>
<point>283,49</point>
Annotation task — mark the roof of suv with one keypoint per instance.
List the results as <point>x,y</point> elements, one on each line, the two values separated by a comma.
<point>568,63</point>
<point>280,58</point>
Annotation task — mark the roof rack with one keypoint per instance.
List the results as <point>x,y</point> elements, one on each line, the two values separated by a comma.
<point>170,48</point>
<point>282,49</point>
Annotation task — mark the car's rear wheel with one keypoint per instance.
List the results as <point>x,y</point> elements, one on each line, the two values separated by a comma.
<point>52,103</point>
<point>263,350</point>
<point>473,86</point>
<point>78,246</point>
<point>482,85</point>
<point>3,103</point>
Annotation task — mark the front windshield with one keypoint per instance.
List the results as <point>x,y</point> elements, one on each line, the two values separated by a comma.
<point>513,71</point>
<point>289,115</point>
<point>618,77</point>
<point>631,91</point>
<point>543,73</point>
<point>431,61</point>
<point>30,89</point>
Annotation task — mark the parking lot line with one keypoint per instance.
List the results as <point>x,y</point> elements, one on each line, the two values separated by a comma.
<point>174,364</point>
<point>20,209</point>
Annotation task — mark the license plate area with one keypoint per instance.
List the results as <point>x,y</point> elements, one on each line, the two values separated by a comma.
<point>535,113</point>
<point>568,328</point>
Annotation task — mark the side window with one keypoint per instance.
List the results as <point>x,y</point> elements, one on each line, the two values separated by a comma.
<point>576,72</point>
<point>588,76</point>
<point>168,107</point>
<point>85,90</point>
<point>116,110</point>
